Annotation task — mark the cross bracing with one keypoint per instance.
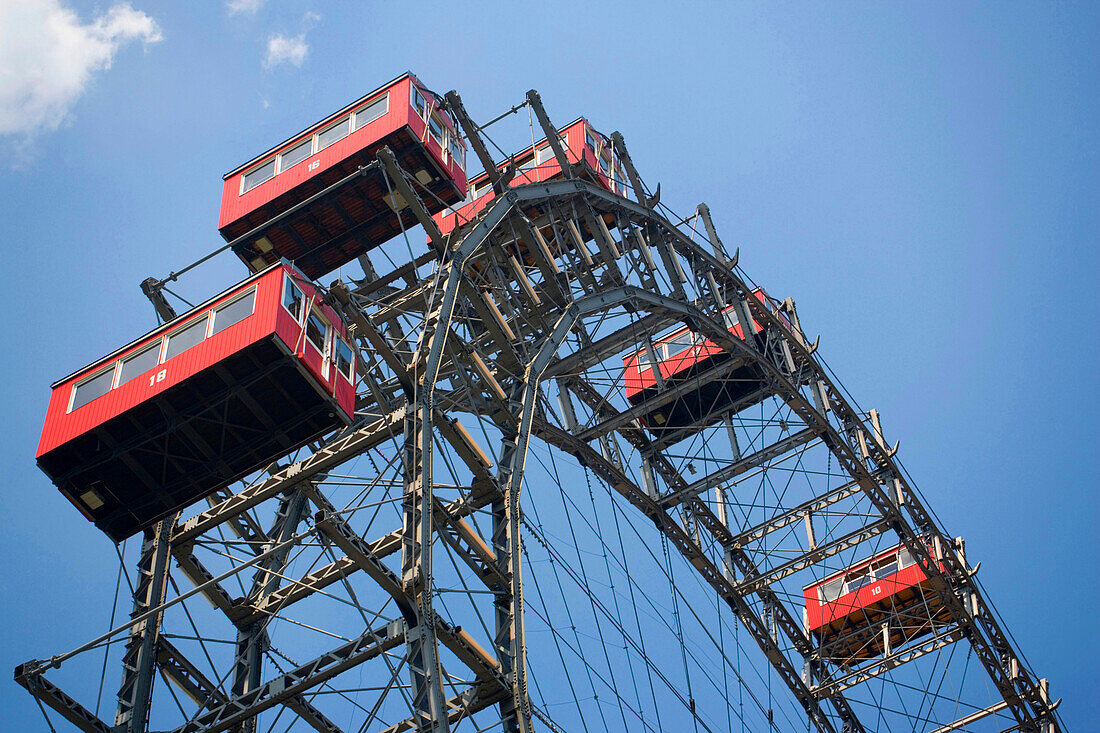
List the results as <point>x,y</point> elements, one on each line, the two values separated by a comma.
<point>504,540</point>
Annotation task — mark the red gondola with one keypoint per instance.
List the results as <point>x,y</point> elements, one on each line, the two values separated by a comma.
<point>681,356</point>
<point>219,392</point>
<point>582,145</point>
<point>337,227</point>
<point>875,605</point>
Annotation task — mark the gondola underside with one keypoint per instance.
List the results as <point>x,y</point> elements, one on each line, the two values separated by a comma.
<point>181,445</point>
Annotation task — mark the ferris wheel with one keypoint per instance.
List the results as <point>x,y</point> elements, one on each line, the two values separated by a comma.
<point>564,465</point>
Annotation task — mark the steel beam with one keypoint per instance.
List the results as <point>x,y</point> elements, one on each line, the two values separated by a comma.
<point>307,676</point>
<point>814,556</point>
<point>967,720</point>
<point>663,397</point>
<point>454,104</point>
<point>619,142</point>
<point>29,676</point>
<point>139,659</point>
<point>331,455</point>
<point>550,131</point>
<point>791,516</point>
<point>463,705</point>
<point>187,677</point>
<point>888,662</point>
<point>730,472</point>
<point>311,715</point>
<point>412,200</point>
<point>323,577</point>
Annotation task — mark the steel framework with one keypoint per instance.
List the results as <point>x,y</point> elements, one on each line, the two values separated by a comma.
<point>484,362</point>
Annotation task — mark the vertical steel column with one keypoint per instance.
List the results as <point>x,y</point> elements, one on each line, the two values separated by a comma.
<point>252,640</point>
<point>417,530</point>
<point>510,636</point>
<point>509,646</point>
<point>503,609</point>
<point>416,573</point>
<point>247,667</point>
<point>728,565</point>
<point>139,660</point>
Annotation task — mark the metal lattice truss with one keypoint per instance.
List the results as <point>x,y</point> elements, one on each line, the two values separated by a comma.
<point>504,343</point>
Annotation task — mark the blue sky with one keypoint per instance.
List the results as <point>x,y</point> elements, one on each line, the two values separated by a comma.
<point>921,178</point>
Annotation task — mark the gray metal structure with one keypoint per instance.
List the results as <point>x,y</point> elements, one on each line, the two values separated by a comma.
<point>500,345</point>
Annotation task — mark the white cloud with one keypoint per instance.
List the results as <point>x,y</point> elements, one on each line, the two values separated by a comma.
<point>48,57</point>
<point>283,49</point>
<point>286,50</point>
<point>244,7</point>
